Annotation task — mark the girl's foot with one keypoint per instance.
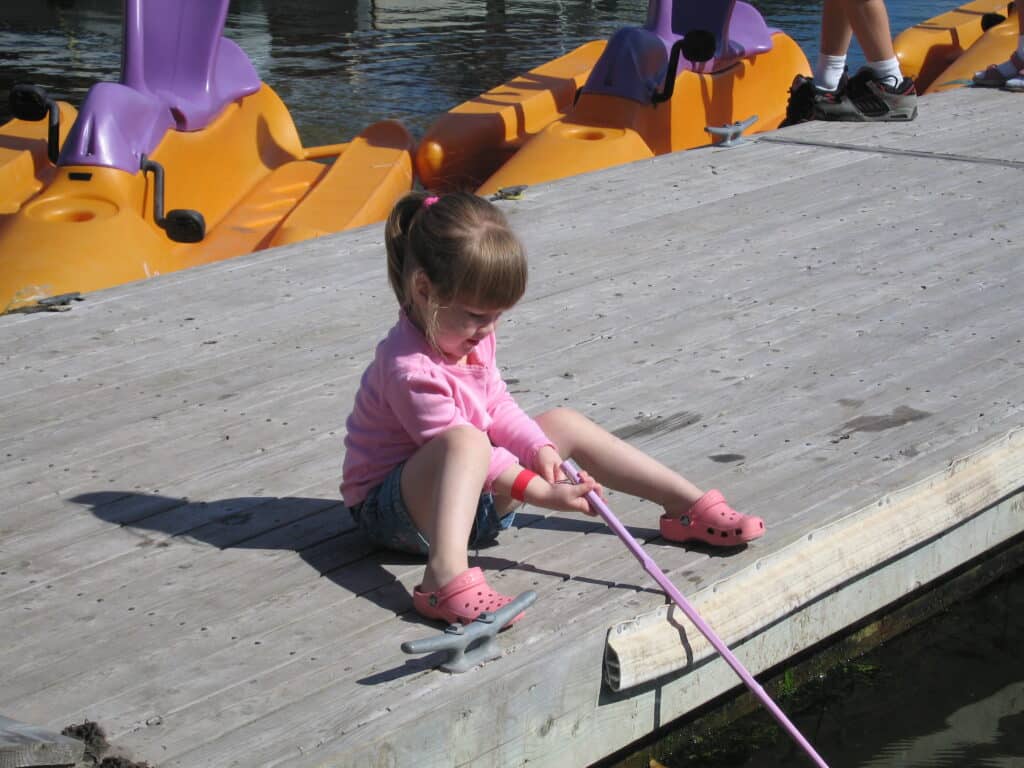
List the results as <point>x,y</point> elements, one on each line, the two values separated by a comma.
<point>712,521</point>
<point>997,75</point>
<point>462,599</point>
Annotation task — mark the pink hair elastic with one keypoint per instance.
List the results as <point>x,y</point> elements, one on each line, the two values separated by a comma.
<point>429,201</point>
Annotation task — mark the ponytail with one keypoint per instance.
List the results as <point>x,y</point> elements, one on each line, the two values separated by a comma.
<point>396,242</point>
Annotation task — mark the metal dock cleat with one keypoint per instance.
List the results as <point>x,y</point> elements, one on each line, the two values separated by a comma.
<point>475,643</point>
<point>731,135</point>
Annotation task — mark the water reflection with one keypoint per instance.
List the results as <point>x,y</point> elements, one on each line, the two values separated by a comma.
<point>947,694</point>
<point>974,735</point>
<point>342,64</point>
<point>414,60</point>
<point>338,65</point>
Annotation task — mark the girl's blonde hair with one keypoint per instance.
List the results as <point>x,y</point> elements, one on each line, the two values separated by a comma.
<point>462,243</point>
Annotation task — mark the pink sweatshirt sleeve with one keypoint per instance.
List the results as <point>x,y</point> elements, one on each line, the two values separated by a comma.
<point>511,427</point>
<point>424,404</point>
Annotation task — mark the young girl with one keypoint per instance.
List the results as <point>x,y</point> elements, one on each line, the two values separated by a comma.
<point>437,453</point>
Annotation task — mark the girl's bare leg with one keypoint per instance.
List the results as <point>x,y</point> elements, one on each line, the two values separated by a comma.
<point>441,486</point>
<point>615,463</point>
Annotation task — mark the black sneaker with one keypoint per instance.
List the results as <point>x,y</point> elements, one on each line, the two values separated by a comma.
<point>870,99</point>
<point>804,95</point>
<point>800,107</point>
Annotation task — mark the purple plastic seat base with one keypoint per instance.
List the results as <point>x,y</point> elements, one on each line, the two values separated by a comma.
<point>115,127</point>
<point>178,72</point>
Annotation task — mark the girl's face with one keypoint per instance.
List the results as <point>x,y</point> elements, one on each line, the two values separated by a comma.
<point>460,327</point>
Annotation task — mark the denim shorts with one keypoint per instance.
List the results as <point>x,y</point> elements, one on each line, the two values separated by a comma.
<point>382,516</point>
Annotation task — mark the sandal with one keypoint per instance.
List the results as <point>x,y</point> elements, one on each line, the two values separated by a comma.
<point>992,77</point>
<point>462,599</point>
<point>712,521</point>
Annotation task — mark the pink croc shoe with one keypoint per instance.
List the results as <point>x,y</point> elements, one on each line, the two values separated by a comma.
<point>712,521</point>
<point>462,599</point>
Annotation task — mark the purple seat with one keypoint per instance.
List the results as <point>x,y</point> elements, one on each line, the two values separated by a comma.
<point>178,72</point>
<point>633,64</point>
<point>173,49</point>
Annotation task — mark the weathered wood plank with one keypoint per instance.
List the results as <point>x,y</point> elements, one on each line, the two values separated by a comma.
<point>754,317</point>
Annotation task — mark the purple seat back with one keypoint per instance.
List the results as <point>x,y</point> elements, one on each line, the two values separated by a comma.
<point>633,64</point>
<point>749,35</point>
<point>709,15</point>
<point>177,71</point>
<point>173,49</point>
<point>738,27</point>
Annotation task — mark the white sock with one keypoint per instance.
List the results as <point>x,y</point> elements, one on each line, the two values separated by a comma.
<point>829,71</point>
<point>887,69</point>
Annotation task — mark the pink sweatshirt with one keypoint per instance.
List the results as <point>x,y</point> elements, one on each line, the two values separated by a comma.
<point>410,394</point>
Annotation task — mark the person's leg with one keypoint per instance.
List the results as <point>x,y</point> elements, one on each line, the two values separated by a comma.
<point>1015,64</point>
<point>869,20</point>
<point>615,463</point>
<point>836,31</point>
<point>441,486</point>
<point>829,69</point>
<point>1010,72</point>
<point>834,43</point>
<point>689,512</point>
<point>1020,37</point>
<point>879,91</point>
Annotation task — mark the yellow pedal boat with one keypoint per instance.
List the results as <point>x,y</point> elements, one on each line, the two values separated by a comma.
<point>28,152</point>
<point>928,49</point>
<point>470,142</point>
<point>188,159</point>
<point>650,90</point>
<point>993,47</point>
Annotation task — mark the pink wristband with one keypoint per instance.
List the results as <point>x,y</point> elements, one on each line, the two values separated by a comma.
<point>519,484</point>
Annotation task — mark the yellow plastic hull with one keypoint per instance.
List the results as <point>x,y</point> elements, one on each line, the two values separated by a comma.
<point>927,49</point>
<point>247,173</point>
<point>470,142</point>
<point>602,131</point>
<point>25,167</point>
<point>993,47</point>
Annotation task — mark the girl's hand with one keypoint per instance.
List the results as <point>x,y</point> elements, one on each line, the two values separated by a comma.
<point>548,464</point>
<point>563,495</point>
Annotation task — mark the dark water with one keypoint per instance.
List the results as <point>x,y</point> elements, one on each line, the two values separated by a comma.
<point>948,696</point>
<point>342,64</point>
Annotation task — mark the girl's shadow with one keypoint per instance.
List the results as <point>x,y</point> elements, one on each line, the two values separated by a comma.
<point>320,531</point>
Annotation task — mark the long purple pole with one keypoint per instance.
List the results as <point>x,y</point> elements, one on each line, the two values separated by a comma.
<point>598,505</point>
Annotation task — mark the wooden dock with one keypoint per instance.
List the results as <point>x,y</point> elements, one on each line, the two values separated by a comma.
<point>826,324</point>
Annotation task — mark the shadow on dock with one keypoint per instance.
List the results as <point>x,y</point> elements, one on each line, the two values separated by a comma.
<point>322,532</point>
